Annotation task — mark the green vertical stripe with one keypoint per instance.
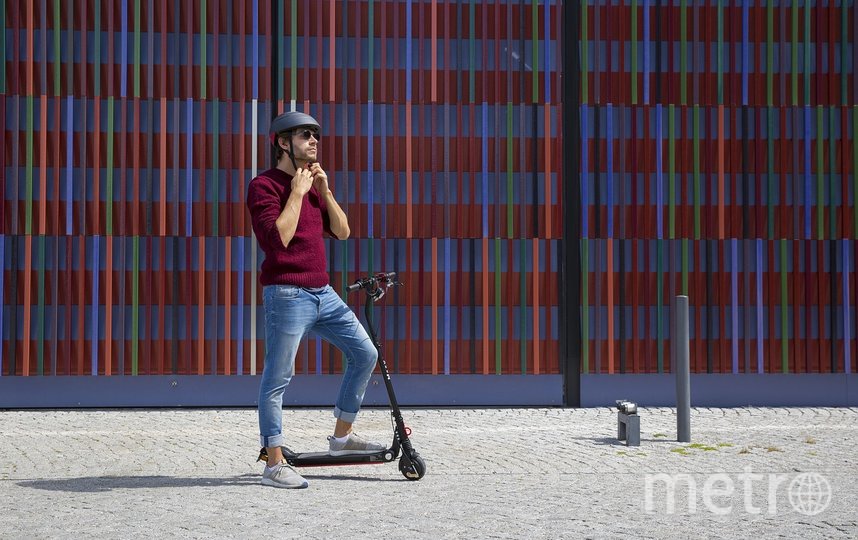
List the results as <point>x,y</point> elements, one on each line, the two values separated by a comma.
<point>784,308</point>
<point>820,175</point>
<point>671,176</point>
<point>720,53</point>
<point>202,49</point>
<point>137,47</point>
<point>28,223</point>
<point>294,51</point>
<point>585,60</point>
<point>770,174</point>
<point>535,47</point>
<point>696,130</point>
<point>57,49</point>
<point>40,317</point>
<point>685,266</point>
<point>683,53</point>
<point>108,182</point>
<point>370,22</point>
<point>472,47</point>
<point>96,73</point>
<point>658,310</point>
<point>794,50</point>
<point>215,168</point>
<point>498,306</point>
<point>634,45</point>
<point>509,165</point>
<point>523,303</point>
<point>585,307</point>
<point>135,302</point>
<point>770,52</point>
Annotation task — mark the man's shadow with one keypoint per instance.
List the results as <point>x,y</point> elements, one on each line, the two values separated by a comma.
<point>96,484</point>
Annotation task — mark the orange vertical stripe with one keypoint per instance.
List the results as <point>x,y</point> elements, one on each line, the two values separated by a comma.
<point>201,306</point>
<point>610,280</point>
<point>485,306</point>
<point>28,284</point>
<point>720,171</point>
<point>434,306</point>
<point>408,166</point>
<point>227,306</point>
<point>108,304</point>
<point>537,342</point>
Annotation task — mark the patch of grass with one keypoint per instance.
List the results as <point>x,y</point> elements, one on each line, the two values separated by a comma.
<point>701,446</point>
<point>811,454</point>
<point>659,435</point>
<point>745,450</point>
<point>810,440</point>
<point>620,453</point>
<point>725,445</point>
<point>773,449</point>
<point>681,451</point>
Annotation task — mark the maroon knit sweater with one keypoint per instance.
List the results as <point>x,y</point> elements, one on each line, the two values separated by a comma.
<point>304,262</point>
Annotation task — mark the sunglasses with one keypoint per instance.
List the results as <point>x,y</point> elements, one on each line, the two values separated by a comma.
<point>307,133</point>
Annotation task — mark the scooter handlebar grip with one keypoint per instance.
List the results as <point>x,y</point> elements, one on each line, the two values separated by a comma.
<point>354,286</point>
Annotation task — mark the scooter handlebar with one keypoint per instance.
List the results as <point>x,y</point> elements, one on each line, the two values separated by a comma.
<point>383,277</point>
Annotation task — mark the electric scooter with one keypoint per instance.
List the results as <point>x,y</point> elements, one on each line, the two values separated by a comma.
<point>411,465</point>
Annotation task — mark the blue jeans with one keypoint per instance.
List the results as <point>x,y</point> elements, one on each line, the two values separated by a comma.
<point>291,312</point>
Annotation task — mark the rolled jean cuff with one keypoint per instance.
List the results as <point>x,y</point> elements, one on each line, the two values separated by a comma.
<point>345,416</point>
<point>271,441</point>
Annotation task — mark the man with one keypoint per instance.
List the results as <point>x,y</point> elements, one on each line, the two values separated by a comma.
<point>292,207</point>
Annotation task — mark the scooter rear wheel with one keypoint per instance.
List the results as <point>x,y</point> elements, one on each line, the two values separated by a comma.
<point>415,470</point>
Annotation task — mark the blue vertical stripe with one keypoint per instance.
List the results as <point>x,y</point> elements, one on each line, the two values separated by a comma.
<point>447,316</point>
<point>807,175</point>
<point>659,175</point>
<point>609,128</point>
<point>760,311</point>
<point>189,167</point>
<point>645,51</point>
<point>734,302</point>
<point>370,178</point>
<point>70,164</point>
<point>255,49</point>
<point>123,75</point>
<point>408,44</point>
<point>239,327</point>
<point>585,169</point>
<point>96,265</point>
<point>847,324</point>
<point>745,15</point>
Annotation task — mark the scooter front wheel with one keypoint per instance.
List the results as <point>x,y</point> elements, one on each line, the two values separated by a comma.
<point>412,469</point>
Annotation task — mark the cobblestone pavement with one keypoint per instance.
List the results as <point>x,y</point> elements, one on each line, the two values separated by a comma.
<point>492,473</point>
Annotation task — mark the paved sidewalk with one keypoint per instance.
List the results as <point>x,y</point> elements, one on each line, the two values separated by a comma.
<point>492,473</point>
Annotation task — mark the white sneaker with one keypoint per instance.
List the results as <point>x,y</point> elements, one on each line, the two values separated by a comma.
<point>355,444</point>
<point>283,476</point>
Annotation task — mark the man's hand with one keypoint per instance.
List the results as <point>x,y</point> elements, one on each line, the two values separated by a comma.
<point>302,181</point>
<point>320,179</point>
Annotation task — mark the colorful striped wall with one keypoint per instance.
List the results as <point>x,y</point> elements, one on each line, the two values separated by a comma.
<point>131,129</point>
<point>719,158</point>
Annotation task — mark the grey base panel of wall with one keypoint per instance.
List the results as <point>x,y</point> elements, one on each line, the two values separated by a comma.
<point>724,390</point>
<point>304,390</point>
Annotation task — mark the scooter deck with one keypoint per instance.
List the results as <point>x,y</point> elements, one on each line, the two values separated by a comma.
<point>323,459</point>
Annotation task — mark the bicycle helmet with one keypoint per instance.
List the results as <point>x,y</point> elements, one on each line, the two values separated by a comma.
<point>289,121</point>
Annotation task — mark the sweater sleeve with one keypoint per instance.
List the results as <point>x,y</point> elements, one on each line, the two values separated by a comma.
<point>264,205</point>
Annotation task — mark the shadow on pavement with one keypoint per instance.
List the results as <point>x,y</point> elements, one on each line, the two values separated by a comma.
<point>94,484</point>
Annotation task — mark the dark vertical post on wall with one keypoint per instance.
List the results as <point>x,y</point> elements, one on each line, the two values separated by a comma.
<point>570,245</point>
